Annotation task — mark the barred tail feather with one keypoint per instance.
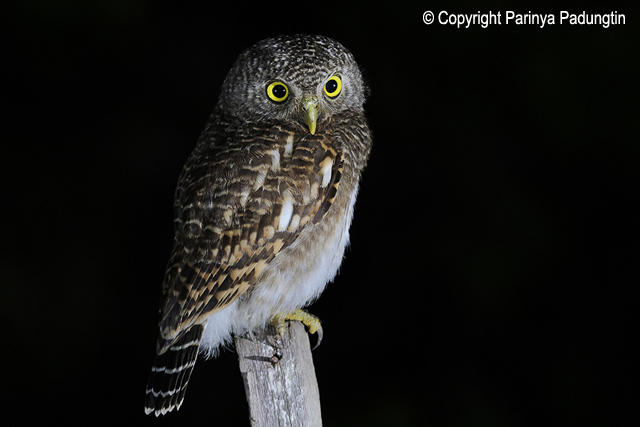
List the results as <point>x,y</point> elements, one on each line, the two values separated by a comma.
<point>171,372</point>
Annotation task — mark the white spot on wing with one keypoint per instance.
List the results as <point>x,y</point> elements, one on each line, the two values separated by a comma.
<point>275,163</point>
<point>325,171</point>
<point>259,180</point>
<point>285,215</point>
<point>288,148</point>
<point>244,197</point>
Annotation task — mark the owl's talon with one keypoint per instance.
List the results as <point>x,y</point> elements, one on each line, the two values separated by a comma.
<point>278,322</point>
<point>320,335</point>
<point>312,323</point>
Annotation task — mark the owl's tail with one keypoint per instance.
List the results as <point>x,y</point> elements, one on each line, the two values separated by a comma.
<point>171,372</point>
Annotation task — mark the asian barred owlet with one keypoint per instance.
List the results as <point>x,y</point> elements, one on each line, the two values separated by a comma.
<point>264,202</point>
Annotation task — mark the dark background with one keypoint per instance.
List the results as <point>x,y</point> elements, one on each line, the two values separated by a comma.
<point>494,258</point>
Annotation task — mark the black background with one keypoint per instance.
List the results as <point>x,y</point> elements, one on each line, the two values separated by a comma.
<point>494,256</point>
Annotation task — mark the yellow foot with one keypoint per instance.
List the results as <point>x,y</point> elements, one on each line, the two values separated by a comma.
<point>309,320</point>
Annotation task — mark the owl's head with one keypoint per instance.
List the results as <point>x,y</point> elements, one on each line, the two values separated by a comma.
<point>303,78</point>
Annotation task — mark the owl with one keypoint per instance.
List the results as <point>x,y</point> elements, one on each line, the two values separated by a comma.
<point>263,205</point>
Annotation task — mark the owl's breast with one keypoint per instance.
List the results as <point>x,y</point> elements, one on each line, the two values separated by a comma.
<point>299,273</point>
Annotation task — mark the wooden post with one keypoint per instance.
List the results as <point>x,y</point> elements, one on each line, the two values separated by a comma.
<point>279,378</point>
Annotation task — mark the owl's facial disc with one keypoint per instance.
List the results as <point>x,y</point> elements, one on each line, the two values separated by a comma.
<point>309,112</point>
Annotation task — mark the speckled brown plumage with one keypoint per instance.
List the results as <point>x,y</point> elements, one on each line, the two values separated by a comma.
<point>262,206</point>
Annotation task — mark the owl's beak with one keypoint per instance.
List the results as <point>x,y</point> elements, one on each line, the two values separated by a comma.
<point>310,112</point>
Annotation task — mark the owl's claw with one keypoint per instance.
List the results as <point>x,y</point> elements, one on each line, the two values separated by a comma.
<point>312,323</point>
<point>320,335</point>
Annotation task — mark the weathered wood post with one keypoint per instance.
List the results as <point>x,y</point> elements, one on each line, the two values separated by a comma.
<point>279,378</point>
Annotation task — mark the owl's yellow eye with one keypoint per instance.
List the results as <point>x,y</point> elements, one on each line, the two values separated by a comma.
<point>277,91</point>
<point>333,87</point>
